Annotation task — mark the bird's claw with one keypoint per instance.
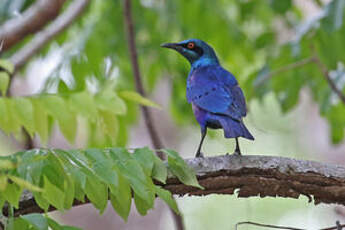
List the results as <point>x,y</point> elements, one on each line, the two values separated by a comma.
<point>237,153</point>
<point>199,155</point>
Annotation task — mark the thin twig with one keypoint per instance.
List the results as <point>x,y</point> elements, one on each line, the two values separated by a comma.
<point>32,20</point>
<point>46,35</point>
<point>337,227</point>
<point>267,226</point>
<point>283,69</point>
<point>156,141</point>
<point>313,59</point>
<point>329,80</point>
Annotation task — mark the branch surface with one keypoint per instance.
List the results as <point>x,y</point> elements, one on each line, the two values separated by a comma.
<point>46,35</point>
<point>31,21</point>
<point>251,176</point>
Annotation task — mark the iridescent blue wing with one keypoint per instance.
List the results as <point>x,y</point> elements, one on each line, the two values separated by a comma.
<point>215,90</point>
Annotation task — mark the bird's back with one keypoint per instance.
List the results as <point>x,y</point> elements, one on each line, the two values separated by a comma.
<point>216,90</point>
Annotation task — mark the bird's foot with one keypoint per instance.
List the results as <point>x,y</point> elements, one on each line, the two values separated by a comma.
<point>237,152</point>
<point>199,154</point>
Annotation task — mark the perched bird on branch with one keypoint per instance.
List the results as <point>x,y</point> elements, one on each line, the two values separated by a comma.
<point>217,100</point>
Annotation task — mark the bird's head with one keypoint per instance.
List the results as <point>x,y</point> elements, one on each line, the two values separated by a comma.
<point>196,51</point>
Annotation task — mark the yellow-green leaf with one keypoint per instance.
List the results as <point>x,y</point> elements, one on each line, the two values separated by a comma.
<point>3,182</point>
<point>8,122</point>
<point>83,103</point>
<point>6,164</point>
<point>8,66</point>
<point>24,112</point>
<point>40,120</point>
<point>53,194</point>
<point>110,124</point>
<point>136,97</point>
<point>4,81</point>
<point>58,109</point>
<point>108,100</point>
<point>24,184</point>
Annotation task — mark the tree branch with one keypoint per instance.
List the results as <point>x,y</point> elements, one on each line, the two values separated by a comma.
<point>32,20</point>
<point>251,176</point>
<point>156,141</point>
<point>46,35</point>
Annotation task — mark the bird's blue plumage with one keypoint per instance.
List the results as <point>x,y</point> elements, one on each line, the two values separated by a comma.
<point>216,98</point>
<point>215,93</point>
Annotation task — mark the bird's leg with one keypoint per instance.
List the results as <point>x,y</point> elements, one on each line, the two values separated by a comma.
<point>237,149</point>
<point>203,135</point>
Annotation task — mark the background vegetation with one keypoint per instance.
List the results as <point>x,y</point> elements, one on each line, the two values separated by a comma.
<point>288,56</point>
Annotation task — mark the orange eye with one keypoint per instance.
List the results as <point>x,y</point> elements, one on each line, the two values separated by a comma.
<point>190,45</point>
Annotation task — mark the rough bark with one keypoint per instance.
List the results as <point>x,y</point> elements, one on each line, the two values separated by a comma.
<point>266,176</point>
<point>31,21</point>
<point>251,176</point>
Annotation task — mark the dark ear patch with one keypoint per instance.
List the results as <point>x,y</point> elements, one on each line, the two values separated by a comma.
<point>195,48</point>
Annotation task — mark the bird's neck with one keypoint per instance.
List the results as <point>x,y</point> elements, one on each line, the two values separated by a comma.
<point>202,62</point>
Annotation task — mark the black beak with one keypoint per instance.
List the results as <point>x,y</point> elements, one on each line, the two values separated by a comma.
<point>171,45</point>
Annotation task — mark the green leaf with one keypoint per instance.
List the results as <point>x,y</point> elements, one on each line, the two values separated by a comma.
<point>180,169</point>
<point>168,198</point>
<point>3,182</point>
<point>159,171</point>
<point>24,184</point>
<point>6,164</point>
<point>107,100</point>
<point>141,205</point>
<point>57,108</point>
<point>12,194</point>
<point>55,226</point>
<point>4,82</point>
<point>8,119</point>
<point>84,104</point>
<point>136,97</point>
<point>17,224</point>
<point>37,221</point>
<point>141,184</point>
<point>42,202</point>
<point>24,113</point>
<point>122,199</point>
<point>40,120</point>
<point>97,192</point>
<point>110,124</point>
<point>334,15</point>
<point>281,6</point>
<point>144,156</point>
<point>7,66</point>
<point>53,194</point>
<point>103,167</point>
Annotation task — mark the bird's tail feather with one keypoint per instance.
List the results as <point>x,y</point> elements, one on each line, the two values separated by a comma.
<point>233,128</point>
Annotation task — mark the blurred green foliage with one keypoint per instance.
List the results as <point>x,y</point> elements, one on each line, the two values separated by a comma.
<point>247,36</point>
<point>93,84</point>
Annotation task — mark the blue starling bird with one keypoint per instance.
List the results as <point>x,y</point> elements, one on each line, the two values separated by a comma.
<point>217,100</point>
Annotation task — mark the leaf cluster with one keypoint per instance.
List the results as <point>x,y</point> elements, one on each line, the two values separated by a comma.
<point>57,178</point>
